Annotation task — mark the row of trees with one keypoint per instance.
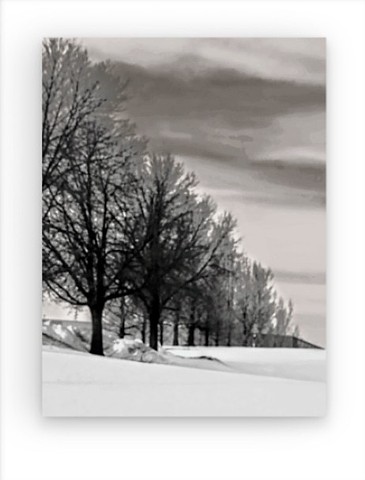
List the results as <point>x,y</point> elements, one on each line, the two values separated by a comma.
<point>125,232</point>
<point>238,307</point>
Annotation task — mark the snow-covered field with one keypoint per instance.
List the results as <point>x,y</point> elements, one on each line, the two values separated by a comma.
<point>244,382</point>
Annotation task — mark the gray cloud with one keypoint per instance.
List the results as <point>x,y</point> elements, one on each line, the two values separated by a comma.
<point>295,59</point>
<point>196,109</point>
<point>312,278</point>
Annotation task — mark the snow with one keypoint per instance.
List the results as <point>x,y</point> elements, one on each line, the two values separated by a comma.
<point>134,349</point>
<point>242,382</point>
<point>62,336</point>
<point>298,364</point>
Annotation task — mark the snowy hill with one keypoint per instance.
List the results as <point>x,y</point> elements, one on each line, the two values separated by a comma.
<point>243,382</point>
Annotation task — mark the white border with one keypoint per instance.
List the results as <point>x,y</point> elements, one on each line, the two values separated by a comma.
<point>33,448</point>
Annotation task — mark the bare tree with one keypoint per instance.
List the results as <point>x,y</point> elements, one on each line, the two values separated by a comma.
<point>85,252</point>
<point>178,237</point>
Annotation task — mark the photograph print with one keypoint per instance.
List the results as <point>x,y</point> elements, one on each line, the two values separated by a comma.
<point>183,227</point>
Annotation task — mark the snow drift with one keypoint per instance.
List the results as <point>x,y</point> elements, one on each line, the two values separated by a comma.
<point>80,384</point>
<point>78,338</point>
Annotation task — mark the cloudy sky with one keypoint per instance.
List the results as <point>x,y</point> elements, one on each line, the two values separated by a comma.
<point>248,116</point>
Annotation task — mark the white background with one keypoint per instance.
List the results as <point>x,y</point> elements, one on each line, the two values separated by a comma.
<point>33,448</point>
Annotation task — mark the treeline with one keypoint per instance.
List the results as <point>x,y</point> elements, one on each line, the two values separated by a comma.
<point>238,308</point>
<point>125,232</point>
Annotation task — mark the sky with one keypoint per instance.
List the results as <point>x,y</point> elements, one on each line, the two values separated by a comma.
<point>248,116</point>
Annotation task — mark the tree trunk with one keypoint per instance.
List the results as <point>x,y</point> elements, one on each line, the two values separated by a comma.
<point>206,342</point>
<point>217,334</point>
<point>161,332</point>
<point>175,340</point>
<point>244,330</point>
<point>96,347</point>
<point>229,335</point>
<point>122,318</point>
<point>144,327</point>
<point>191,334</point>
<point>191,329</point>
<point>154,320</point>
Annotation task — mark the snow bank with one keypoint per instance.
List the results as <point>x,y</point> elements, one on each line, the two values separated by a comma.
<point>61,336</point>
<point>75,337</point>
<point>130,349</point>
<point>79,337</point>
<point>298,364</point>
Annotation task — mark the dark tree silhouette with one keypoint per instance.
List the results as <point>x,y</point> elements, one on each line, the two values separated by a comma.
<point>177,239</point>
<point>85,252</point>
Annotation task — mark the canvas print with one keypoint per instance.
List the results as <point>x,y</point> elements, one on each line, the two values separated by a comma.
<point>183,232</point>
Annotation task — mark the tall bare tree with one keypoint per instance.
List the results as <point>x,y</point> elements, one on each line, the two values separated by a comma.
<point>85,250</point>
<point>178,236</point>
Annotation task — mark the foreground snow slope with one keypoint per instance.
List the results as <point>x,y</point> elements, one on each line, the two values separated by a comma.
<point>79,384</point>
<point>298,364</point>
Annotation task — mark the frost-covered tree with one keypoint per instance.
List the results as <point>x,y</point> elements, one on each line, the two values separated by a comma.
<point>74,90</point>
<point>283,317</point>
<point>256,300</point>
<point>260,307</point>
<point>282,322</point>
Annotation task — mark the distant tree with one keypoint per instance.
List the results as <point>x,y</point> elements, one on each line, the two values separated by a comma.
<point>245,302</point>
<point>263,300</point>
<point>124,316</point>
<point>296,336</point>
<point>176,318</point>
<point>283,317</point>
<point>229,283</point>
<point>116,316</point>
<point>282,323</point>
<point>209,303</point>
<point>219,296</point>
<point>257,300</point>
